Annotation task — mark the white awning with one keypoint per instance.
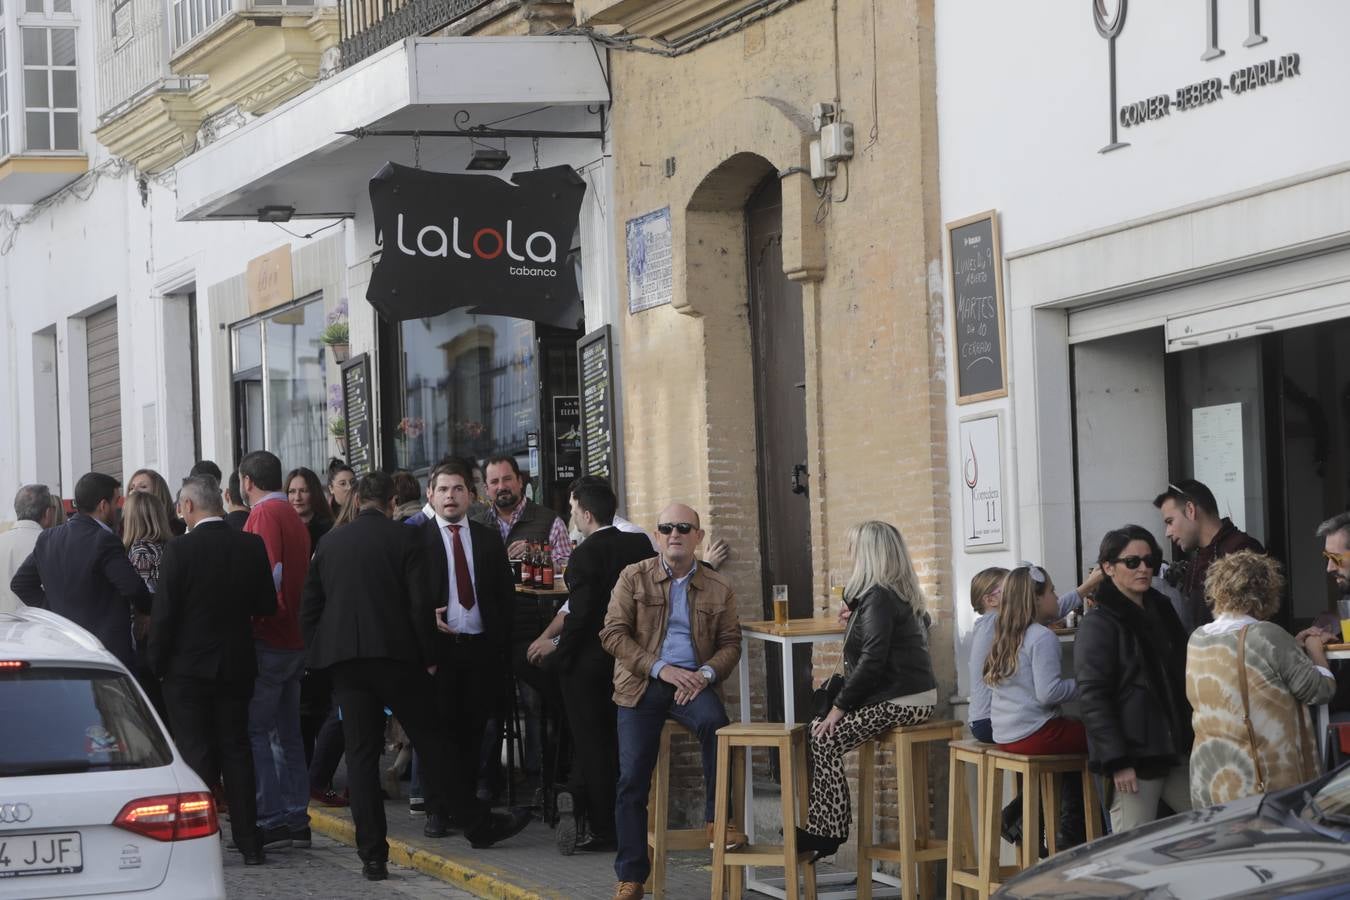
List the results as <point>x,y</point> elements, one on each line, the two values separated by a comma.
<point>296,155</point>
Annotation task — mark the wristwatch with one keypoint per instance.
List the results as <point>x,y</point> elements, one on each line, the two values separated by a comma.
<point>555,639</point>
<point>707,674</point>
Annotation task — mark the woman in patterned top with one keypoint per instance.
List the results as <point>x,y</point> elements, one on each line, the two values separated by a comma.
<point>145,531</point>
<point>1280,750</point>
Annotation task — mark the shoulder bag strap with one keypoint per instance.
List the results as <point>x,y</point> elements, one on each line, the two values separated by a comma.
<point>1247,709</point>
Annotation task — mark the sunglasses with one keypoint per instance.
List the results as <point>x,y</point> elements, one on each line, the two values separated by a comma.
<point>681,527</point>
<point>1337,558</point>
<point>1134,562</point>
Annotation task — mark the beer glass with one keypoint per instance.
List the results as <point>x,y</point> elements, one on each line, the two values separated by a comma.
<point>1344,606</point>
<point>780,604</point>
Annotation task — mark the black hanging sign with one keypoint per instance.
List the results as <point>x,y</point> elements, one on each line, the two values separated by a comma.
<point>977,314</point>
<point>596,369</point>
<point>450,241</point>
<point>356,405</point>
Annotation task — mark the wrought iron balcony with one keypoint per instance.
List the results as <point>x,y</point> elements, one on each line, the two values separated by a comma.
<point>368,26</point>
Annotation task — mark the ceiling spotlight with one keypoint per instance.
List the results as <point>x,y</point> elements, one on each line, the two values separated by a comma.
<point>488,159</point>
<point>276,213</point>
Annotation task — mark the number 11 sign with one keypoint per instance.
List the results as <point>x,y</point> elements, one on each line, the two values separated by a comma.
<point>981,462</point>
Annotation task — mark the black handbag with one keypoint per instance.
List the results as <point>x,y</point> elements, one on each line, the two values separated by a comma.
<point>823,697</point>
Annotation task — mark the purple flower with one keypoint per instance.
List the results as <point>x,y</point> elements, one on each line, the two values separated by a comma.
<point>335,402</point>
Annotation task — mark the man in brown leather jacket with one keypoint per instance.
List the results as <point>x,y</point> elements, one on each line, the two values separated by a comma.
<point>673,631</point>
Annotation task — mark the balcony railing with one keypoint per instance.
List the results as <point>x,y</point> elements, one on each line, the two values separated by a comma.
<point>193,18</point>
<point>368,26</point>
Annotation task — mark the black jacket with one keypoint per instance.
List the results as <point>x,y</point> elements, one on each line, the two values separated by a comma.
<point>494,587</point>
<point>212,580</point>
<point>365,596</point>
<point>592,573</point>
<point>1130,664</point>
<point>885,652</point>
<point>80,570</point>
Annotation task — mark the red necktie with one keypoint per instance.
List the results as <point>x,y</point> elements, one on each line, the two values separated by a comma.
<point>463,583</point>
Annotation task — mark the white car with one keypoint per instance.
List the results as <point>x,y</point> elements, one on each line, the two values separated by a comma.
<point>94,799</point>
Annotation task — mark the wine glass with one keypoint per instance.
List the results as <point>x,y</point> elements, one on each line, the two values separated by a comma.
<point>1109,26</point>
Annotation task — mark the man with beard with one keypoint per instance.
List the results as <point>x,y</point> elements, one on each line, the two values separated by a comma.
<point>522,522</point>
<point>1335,532</point>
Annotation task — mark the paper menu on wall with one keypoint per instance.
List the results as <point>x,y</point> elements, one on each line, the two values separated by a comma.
<point>1216,450</point>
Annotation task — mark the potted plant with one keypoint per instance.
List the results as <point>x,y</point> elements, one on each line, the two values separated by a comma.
<point>337,427</point>
<point>336,335</point>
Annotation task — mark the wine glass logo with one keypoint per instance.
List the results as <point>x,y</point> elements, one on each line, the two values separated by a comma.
<point>1109,26</point>
<point>970,471</point>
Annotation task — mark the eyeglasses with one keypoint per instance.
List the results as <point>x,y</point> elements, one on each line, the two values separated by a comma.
<point>1134,562</point>
<point>1337,558</point>
<point>1036,572</point>
<point>681,527</point>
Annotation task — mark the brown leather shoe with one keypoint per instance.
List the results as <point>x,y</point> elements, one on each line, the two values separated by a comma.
<point>735,837</point>
<point>629,890</point>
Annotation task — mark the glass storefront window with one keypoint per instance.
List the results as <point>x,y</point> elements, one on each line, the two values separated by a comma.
<point>470,388</point>
<point>280,385</point>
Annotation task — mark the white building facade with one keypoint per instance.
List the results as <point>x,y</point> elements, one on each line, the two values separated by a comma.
<point>1171,186</point>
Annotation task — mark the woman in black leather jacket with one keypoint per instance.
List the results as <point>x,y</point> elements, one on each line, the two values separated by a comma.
<point>888,677</point>
<point>1130,662</point>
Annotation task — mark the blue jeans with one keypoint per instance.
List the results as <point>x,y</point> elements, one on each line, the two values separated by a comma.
<point>274,733</point>
<point>983,730</point>
<point>639,739</point>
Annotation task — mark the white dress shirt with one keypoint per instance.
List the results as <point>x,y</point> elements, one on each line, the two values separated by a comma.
<point>16,545</point>
<point>460,620</point>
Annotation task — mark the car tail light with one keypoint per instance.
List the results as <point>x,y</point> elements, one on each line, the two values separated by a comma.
<point>11,664</point>
<point>170,817</point>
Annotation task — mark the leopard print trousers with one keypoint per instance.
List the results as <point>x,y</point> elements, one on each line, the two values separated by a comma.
<point>829,810</point>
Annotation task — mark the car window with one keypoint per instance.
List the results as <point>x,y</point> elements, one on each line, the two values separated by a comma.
<point>75,720</point>
<point>1334,797</point>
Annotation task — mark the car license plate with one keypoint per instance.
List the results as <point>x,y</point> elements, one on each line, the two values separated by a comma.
<point>40,854</point>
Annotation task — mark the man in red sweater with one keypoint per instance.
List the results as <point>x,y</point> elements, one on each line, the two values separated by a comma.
<point>274,712</point>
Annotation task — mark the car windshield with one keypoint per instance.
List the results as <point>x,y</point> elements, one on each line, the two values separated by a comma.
<point>1332,802</point>
<point>75,720</point>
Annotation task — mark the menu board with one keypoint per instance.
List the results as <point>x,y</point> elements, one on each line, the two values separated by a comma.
<point>356,400</point>
<point>596,366</point>
<point>977,298</point>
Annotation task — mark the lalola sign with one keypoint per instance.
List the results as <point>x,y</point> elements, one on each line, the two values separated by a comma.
<point>450,241</point>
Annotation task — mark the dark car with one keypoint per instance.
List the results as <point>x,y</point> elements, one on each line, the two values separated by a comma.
<point>1292,843</point>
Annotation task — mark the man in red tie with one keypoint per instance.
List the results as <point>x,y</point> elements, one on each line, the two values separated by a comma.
<point>468,571</point>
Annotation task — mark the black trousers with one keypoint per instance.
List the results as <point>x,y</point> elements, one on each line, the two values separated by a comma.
<point>210,727</point>
<point>587,698</point>
<point>469,685</point>
<point>363,688</point>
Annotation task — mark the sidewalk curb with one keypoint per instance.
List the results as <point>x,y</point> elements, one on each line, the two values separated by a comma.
<point>475,881</point>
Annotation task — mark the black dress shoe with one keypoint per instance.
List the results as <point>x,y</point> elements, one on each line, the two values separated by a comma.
<point>436,826</point>
<point>598,843</point>
<point>301,837</point>
<point>497,827</point>
<point>254,857</point>
<point>375,870</point>
<point>276,838</point>
<point>819,844</point>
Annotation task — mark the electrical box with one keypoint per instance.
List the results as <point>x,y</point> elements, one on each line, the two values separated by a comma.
<point>822,114</point>
<point>821,167</point>
<point>836,141</point>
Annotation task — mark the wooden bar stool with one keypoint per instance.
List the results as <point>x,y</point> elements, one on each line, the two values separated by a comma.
<point>733,743</point>
<point>916,846</point>
<point>661,838</point>
<point>963,835</point>
<point>1040,788</point>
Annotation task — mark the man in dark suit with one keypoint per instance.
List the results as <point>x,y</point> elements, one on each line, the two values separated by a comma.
<point>212,580</point>
<point>81,571</point>
<point>585,669</point>
<point>470,580</point>
<point>367,619</point>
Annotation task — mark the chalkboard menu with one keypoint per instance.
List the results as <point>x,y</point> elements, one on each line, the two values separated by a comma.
<point>596,367</point>
<point>356,399</point>
<point>977,296</point>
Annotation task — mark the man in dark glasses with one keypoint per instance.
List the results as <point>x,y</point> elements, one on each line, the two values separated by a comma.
<point>675,636</point>
<point>1191,517</point>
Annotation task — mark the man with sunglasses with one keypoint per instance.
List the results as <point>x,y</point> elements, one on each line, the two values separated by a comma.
<point>674,633</point>
<point>1335,534</point>
<point>1192,522</point>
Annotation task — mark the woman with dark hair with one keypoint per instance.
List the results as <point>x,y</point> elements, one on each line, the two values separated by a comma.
<point>1130,663</point>
<point>341,481</point>
<point>408,495</point>
<point>306,496</point>
<point>148,481</point>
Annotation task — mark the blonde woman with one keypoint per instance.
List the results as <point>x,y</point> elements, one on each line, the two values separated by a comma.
<point>145,531</point>
<point>148,481</point>
<point>888,677</point>
<point>1229,762</point>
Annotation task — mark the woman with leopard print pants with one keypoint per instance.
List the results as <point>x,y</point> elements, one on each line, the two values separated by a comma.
<point>888,677</point>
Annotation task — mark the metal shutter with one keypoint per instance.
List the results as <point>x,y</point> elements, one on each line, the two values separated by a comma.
<point>105,394</point>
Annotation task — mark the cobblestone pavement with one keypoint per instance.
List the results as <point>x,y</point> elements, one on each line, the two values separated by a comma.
<point>328,870</point>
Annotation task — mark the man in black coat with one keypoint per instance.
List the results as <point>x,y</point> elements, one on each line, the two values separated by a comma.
<point>81,571</point>
<point>468,576</point>
<point>586,671</point>
<point>367,619</point>
<point>212,580</point>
